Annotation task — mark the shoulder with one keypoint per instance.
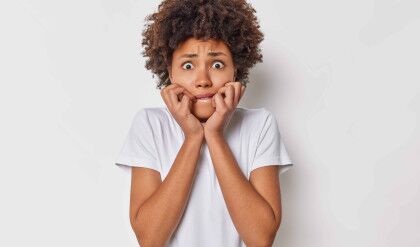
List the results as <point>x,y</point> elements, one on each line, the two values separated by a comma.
<point>153,116</point>
<point>253,116</point>
<point>257,122</point>
<point>152,112</point>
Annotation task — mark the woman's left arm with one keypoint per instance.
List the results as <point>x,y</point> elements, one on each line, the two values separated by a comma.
<point>255,210</point>
<point>254,206</point>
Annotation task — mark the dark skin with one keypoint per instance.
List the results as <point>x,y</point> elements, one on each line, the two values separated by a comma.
<point>260,195</point>
<point>204,67</point>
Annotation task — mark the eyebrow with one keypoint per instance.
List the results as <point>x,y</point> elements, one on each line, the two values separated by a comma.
<point>212,54</point>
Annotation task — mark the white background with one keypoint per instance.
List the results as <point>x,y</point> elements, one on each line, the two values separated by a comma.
<point>342,77</point>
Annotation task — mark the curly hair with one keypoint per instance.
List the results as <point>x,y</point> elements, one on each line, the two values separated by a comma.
<point>231,21</point>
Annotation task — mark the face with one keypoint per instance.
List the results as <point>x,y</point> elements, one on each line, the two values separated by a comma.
<point>202,67</point>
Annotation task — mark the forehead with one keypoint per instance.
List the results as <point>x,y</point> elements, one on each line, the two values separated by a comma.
<point>193,45</point>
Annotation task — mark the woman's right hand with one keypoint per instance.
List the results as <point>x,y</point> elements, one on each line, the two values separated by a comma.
<point>179,102</point>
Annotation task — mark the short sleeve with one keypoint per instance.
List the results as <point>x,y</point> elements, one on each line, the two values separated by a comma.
<point>139,149</point>
<point>270,148</point>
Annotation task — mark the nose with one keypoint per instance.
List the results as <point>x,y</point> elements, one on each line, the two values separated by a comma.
<point>203,79</point>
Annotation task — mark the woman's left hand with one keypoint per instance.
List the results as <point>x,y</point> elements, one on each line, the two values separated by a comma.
<point>225,107</point>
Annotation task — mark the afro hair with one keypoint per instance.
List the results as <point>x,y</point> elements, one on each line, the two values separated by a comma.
<point>231,21</point>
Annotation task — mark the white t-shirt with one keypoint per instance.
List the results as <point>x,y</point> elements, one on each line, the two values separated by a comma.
<point>154,140</point>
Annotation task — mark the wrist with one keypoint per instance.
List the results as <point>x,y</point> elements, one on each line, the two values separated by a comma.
<point>195,137</point>
<point>213,134</point>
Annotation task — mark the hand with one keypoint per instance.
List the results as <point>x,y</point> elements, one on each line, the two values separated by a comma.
<point>179,102</point>
<point>225,107</point>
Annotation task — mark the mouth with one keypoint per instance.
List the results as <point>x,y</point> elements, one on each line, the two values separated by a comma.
<point>204,99</point>
<point>207,96</point>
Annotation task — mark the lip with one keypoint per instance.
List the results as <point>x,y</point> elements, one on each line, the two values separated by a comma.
<point>206,95</point>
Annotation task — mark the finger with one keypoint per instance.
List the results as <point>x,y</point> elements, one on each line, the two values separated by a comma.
<point>219,102</point>
<point>173,95</point>
<point>229,91</point>
<point>222,92</point>
<point>190,95</point>
<point>165,94</point>
<point>237,86</point>
<point>165,88</point>
<point>184,91</point>
<point>174,92</point>
<point>185,103</point>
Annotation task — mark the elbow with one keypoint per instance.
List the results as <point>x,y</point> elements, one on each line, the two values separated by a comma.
<point>145,237</point>
<point>273,233</point>
<point>269,238</point>
<point>140,235</point>
<point>263,242</point>
<point>267,242</point>
<point>266,237</point>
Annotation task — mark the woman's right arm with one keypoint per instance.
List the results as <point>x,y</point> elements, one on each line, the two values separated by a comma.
<point>156,207</point>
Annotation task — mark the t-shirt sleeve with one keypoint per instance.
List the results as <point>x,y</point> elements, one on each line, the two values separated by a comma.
<point>270,147</point>
<point>139,149</point>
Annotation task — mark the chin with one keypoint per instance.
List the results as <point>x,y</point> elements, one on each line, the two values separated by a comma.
<point>202,110</point>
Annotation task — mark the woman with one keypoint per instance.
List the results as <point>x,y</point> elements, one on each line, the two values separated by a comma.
<point>194,162</point>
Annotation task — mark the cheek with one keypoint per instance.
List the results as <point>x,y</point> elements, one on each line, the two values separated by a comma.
<point>183,79</point>
<point>220,78</point>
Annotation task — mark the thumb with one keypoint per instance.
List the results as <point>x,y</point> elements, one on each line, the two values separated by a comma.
<point>190,103</point>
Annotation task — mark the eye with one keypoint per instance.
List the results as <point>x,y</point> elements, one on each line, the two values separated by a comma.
<point>219,64</point>
<point>187,65</point>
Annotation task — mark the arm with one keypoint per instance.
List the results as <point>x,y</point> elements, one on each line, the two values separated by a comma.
<point>155,219</point>
<point>255,219</point>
